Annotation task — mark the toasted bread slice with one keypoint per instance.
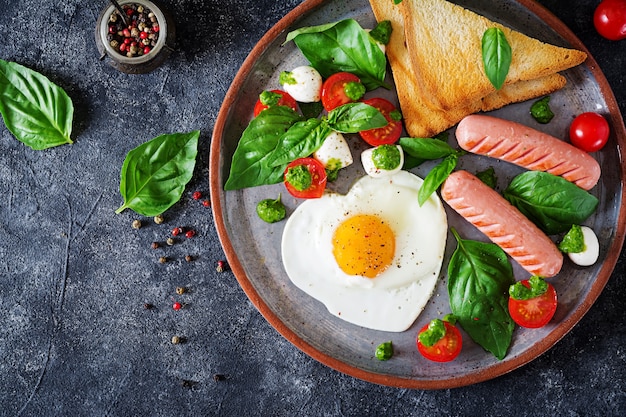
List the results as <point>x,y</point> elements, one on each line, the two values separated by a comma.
<point>445,47</point>
<point>422,119</point>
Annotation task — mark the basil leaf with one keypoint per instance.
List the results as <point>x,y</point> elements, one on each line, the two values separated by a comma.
<point>155,173</point>
<point>382,32</point>
<point>552,203</point>
<point>426,148</point>
<point>354,117</point>
<point>479,276</point>
<point>496,53</point>
<point>342,46</point>
<point>35,110</point>
<point>249,166</point>
<point>301,140</point>
<point>436,177</point>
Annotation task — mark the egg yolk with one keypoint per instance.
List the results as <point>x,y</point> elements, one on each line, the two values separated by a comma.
<point>364,245</point>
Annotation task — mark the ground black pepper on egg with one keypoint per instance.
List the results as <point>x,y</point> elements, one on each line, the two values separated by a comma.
<point>139,36</point>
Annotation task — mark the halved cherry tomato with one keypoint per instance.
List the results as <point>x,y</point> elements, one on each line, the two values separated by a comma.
<point>274,100</point>
<point>445,349</point>
<point>535,312</point>
<point>589,132</point>
<point>318,178</point>
<point>609,19</point>
<point>341,88</point>
<point>388,134</point>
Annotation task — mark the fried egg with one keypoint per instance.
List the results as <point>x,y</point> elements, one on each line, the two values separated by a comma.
<point>373,256</point>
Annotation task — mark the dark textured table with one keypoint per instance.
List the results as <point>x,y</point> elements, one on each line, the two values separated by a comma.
<point>74,277</point>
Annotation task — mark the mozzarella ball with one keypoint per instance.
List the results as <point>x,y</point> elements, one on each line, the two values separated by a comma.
<point>370,166</point>
<point>334,152</point>
<point>303,83</point>
<point>590,253</point>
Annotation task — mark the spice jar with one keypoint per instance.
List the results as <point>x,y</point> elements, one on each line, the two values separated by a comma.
<point>136,38</point>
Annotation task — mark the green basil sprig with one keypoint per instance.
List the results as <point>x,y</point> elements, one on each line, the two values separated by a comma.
<point>479,276</point>
<point>496,53</point>
<point>250,164</point>
<point>426,148</point>
<point>278,135</point>
<point>36,111</point>
<point>354,117</point>
<point>436,177</point>
<point>342,46</point>
<point>552,203</point>
<point>155,173</point>
<point>305,137</point>
<point>419,150</point>
<point>301,140</point>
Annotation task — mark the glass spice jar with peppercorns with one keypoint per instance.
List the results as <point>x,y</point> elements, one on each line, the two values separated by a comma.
<point>135,35</point>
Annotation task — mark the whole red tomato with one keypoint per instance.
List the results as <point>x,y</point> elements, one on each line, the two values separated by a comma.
<point>589,131</point>
<point>610,19</point>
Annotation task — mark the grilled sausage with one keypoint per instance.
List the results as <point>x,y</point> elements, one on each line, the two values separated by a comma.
<point>528,148</point>
<point>504,224</point>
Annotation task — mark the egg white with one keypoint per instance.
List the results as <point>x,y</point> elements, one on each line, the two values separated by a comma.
<point>395,298</point>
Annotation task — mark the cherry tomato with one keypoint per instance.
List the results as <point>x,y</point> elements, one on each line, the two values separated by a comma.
<point>444,350</point>
<point>589,132</point>
<point>318,178</point>
<point>341,88</point>
<point>388,134</point>
<point>609,19</point>
<point>284,100</point>
<point>534,312</point>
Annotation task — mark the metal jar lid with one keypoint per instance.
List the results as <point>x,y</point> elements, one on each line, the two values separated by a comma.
<point>138,64</point>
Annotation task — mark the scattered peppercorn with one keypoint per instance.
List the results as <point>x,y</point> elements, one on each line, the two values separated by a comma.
<point>136,224</point>
<point>162,259</point>
<point>190,233</point>
<point>221,266</point>
<point>219,377</point>
<point>187,383</point>
<point>159,219</point>
<point>148,306</point>
<point>180,290</point>
<point>170,241</point>
<point>177,306</point>
<point>176,231</point>
<point>197,195</point>
<point>155,245</point>
<point>188,258</point>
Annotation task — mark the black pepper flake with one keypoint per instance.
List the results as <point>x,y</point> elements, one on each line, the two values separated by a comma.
<point>187,383</point>
<point>219,377</point>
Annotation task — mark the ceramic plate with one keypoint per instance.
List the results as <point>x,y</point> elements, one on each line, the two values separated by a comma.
<point>252,247</point>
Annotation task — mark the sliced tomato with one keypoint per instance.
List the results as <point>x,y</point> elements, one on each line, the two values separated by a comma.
<point>589,131</point>
<point>274,98</point>
<point>388,134</point>
<point>341,88</point>
<point>445,349</point>
<point>318,178</point>
<point>534,312</point>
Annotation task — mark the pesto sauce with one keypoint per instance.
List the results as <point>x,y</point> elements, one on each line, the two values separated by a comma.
<point>386,157</point>
<point>299,177</point>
